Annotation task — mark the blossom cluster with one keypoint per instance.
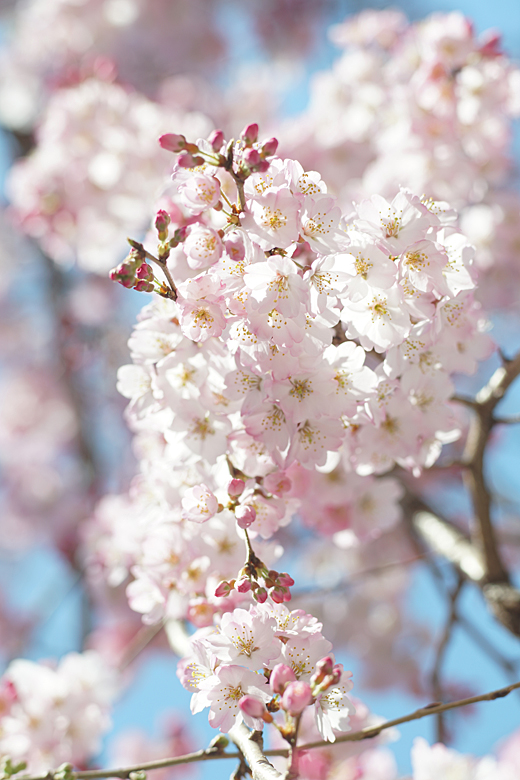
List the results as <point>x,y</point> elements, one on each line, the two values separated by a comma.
<point>53,715</point>
<point>263,660</point>
<point>295,338</point>
<point>428,104</point>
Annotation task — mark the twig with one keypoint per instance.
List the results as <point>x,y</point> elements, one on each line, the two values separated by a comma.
<point>423,712</point>
<point>163,265</point>
<point>512,420</point>
<point>250,746</point>
<point>440,655</point>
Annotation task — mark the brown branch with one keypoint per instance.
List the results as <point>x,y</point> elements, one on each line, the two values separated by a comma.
<point>250,745</point>
<point>437,689</point>
<point>502,597</point>
<point>431,709</point>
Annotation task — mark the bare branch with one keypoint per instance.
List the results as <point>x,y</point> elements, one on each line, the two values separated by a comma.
<point>502,597</point>
<point>440,653</point>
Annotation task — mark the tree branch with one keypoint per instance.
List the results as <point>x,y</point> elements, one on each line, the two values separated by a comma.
<point>423,712</point>
<point>502,597</point>
<point>250,744</point>
<point>440,654</point>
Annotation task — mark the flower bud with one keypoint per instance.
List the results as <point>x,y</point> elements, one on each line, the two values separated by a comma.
<point>252,707</point>
<point>262,166</point>
<point>324,669</point>
<point>243,585</point>
<point>249,134</point>
<point>145,271</point>
<point>285,580</point>
<point>162,220</point>
<point>269,147</point>
<point>179,236</point>
<point>187,160</point>
<point>216,140</point>
<point>172,142</point>
<point>143,286</point>
<point>281,676</point>
<point>245,515</point>
<point>235,487</point>
<point>260,595</point>
<point>223,589</point>
<point>277,595</point>
<point>251,157</point>
<point>296,697</point>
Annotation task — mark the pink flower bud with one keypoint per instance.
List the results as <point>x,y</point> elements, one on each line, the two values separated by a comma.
<point>245,515</point>
<point>281,676</point>
<point>179,236</point>
<point>172,142</point>
<point>243,585</point>
<point>269,147</point>
<point>162,220</point>
<point>260,595</point>
<point>235,487</point>
<point>216,140</point>
<point>287,595</point>
<point>262,166</point>
<point>252,707</point>
<point>249,134</point>
<point>223,589</point>
<point>143,286</point>
<point>145,271</point>
<point>296,697</point>
<point>277,595</point>
<point>187,160</point>
<point>324,669</point>
<point>285,580</point>
<point>251,157</point>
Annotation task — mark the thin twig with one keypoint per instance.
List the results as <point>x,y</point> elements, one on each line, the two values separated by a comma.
<point>242,733</point>
<point>440,654</point>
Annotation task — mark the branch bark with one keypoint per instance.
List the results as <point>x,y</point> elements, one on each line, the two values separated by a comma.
<point>251,746</point>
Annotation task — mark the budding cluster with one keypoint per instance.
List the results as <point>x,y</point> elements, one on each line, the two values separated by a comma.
<point>134,272</point>
<point>253,155</point>
<point>275,584</point>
